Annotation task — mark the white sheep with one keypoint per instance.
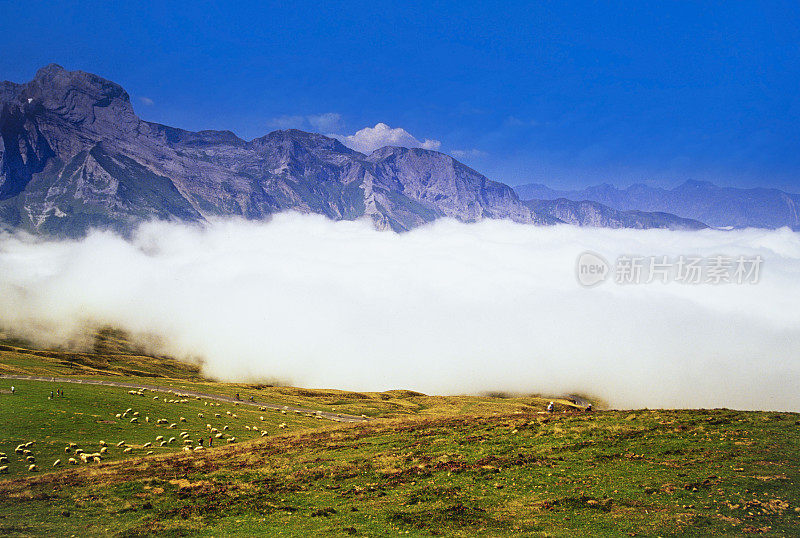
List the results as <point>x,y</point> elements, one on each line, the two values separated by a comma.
<point>135,420</point>
<point>148,444</point>
<point>56,463</point>
<point>33,468</point>
<point>182,419</point>
<point>282,425</point>
<point>171,440</point>
<point>200,415</point>
<point>4,469</point>
<point>187,449</point>
<point>104,450</point>
<point>127,450</point>
<point>226,428</point>
<point>120,443</point>
<point>231,439</point>
<point>217,415</point>
<point>72,461</point>
<point>163,443</point>
<point>159,437</point>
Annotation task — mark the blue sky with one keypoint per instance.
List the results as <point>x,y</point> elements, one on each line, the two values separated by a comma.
<point>563,93</point>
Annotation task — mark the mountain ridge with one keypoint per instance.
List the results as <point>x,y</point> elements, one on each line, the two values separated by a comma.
<point>705,201</point>
<point>75,156</point>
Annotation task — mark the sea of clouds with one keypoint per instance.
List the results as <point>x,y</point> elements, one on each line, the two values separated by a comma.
<point>446,308</point>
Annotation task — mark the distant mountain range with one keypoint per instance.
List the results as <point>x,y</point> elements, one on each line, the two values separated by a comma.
<point>699,200</point>
<point>74,155</point>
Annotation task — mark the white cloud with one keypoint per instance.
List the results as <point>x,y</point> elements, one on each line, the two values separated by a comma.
<point>447,308</point>
<point>325,123</point>
<point>287,122</point>
<point>369,139</point>
<point>318,123</point>
<point>513,121</point>
<point>468,153</point>
<point>146,101</point>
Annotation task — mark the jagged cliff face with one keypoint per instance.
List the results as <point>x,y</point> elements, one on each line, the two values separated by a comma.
<point>74,155</point>
<point>73,158</point>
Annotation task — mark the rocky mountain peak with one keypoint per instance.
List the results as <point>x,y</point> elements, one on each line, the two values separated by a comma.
<point>78,97</point>
<point>288,139</point>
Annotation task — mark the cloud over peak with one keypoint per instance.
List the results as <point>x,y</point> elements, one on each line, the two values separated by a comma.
<point>369,139</point>
<point>468,153</point>
<point>321,123</point>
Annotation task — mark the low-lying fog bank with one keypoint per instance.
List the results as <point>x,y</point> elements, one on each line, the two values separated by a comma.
<point>448,308</point>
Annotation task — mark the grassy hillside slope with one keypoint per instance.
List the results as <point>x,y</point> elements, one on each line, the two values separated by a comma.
<point>650,472</point>
<point>427,465</point>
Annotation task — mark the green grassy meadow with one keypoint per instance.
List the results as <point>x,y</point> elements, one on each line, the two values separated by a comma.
<point>87,415</point>
<point>425,466</point>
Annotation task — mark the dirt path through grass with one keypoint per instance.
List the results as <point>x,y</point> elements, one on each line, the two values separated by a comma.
<point>338,417</point>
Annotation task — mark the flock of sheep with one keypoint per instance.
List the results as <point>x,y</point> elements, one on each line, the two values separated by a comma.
<point>76,455</point>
